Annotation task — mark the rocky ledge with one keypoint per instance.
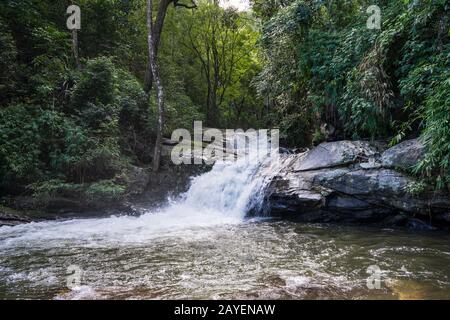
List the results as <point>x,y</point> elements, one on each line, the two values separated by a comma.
<point>357,181</point>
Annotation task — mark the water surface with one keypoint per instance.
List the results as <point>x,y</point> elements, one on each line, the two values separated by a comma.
<point>202,247</point>
<point>234,260</point>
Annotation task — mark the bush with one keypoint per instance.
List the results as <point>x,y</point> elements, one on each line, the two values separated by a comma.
<point>55,187</point>
<point>436,136</point>
<point>31,142</point>
<point>105,190</point>
<point>8,64</point>
<point>97,84</point>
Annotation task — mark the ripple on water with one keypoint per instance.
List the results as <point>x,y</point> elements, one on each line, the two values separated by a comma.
<point>250,260</point>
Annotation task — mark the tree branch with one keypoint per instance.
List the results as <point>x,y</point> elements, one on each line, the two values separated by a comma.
<point>188,6</point>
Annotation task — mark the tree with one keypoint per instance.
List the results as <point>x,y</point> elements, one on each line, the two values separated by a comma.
<point>159,87</point>
<point>157,30</point>
<point>221,40</point>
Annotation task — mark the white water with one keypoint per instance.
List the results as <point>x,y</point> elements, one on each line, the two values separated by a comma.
<point>222,196</point>
<point>201,247</point>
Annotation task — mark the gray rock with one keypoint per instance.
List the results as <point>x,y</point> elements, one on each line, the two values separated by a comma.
<point>345,202</point>
<point>383,183</point>
<point>7,219</point>
<point>418,225</point>
<point>445,216</point>
<point>334,186</point>
<point>404,155</point>
<point>334,154</point>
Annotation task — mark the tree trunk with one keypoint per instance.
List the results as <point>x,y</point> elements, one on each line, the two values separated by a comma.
<point>157,30</point>
<point>159,88</point>
<point>75,48</point>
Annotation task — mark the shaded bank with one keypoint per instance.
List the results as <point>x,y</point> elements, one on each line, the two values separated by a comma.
<point>340,182</point>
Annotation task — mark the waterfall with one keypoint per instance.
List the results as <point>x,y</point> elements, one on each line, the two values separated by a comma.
<point>232,189</point>
<point>221,196</point>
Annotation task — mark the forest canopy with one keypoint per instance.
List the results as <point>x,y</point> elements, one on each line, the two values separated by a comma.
<point>311,68</point>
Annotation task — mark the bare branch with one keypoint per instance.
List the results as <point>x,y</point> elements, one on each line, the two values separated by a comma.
<point>188,6</point>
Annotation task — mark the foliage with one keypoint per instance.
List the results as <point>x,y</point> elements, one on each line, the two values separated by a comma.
<point>8,64</point>
<point>322,65</point>
<point>55,187</point>
<point>291,64</point>
<point>223,42</point>
<point>436,135</point>
<point>31,142</point>
<point>105,189</point>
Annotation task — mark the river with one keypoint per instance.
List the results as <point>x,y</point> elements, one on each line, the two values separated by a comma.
<point>203,246</point>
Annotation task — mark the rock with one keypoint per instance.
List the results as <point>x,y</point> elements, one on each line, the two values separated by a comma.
<point>443,217</point>
<point>10,220</point>
<point>383,183</point>
<point>286,151</point>
<point>137,180</point>
<point>334,154</point>
<point>419,225</point>
<point>404,155</point>
<point>397,220</point>
<point>10,217</point>
<point>63,205</point>
<point>345,202</point>
<point>303,189</point>
<point>329,183</point>
<point>372,164</point>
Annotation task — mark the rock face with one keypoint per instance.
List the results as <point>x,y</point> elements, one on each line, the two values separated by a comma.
<point>333,154</point>
<point>403,155</point>
<point>355,182</point>
<point>11,220</point>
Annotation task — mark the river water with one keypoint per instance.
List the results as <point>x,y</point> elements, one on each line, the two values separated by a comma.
<point>203,247</point>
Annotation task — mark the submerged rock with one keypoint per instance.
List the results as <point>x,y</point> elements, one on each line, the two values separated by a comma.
<point>355,182</point>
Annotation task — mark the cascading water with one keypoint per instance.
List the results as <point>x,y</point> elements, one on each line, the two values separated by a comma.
<point>201,247</point>
<point>222,196</point>
<point>232,189</point>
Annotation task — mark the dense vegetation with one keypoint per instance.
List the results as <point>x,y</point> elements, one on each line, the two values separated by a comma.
<point>322,65</point>
<point>310,67</point>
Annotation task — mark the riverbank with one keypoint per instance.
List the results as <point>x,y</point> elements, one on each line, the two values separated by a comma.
<point>359,182</point>
<point>145,190</point>
<point>346,182</point>
<point>204,245</point>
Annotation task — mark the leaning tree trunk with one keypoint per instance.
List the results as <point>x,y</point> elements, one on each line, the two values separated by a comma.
<point>159,88</point>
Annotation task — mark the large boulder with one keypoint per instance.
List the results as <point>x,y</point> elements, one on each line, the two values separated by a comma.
<point>334,154</point>
<point>404,155</point>
<point>344,181</point>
